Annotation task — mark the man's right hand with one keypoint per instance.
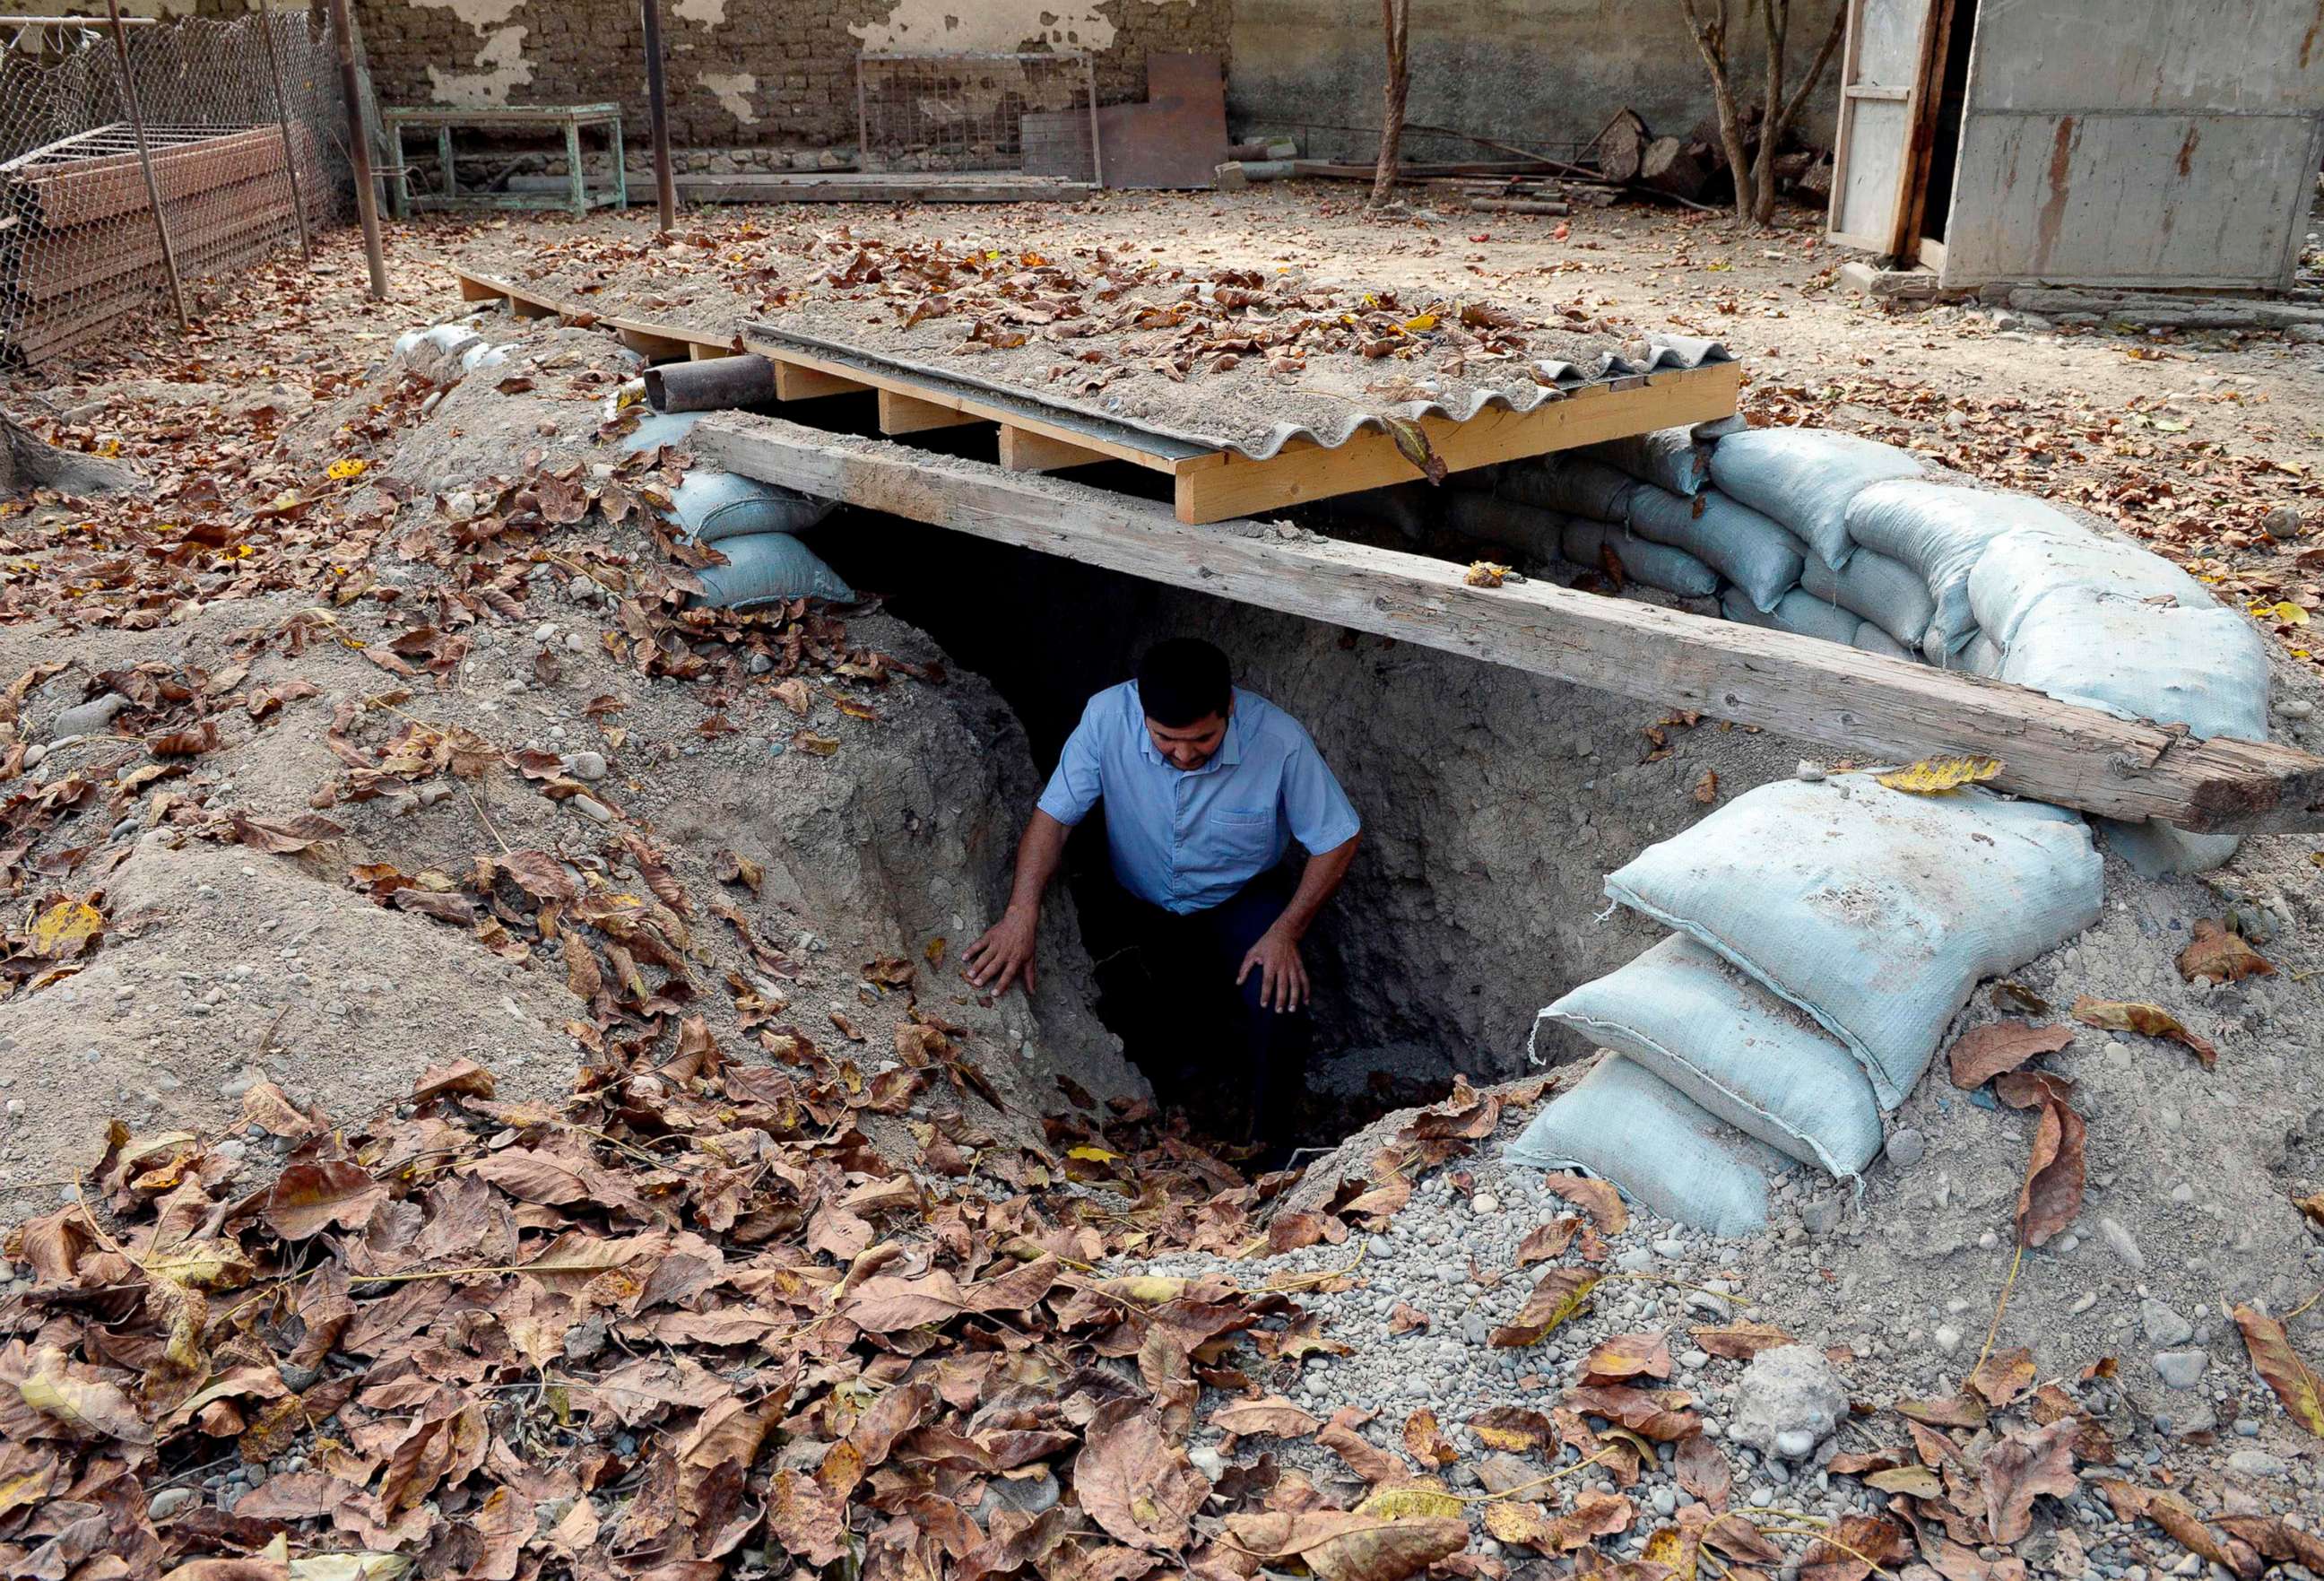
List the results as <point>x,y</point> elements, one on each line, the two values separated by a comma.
<point>1004,952</point>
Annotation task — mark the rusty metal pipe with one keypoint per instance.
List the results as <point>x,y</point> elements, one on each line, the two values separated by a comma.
<point>712,385</point>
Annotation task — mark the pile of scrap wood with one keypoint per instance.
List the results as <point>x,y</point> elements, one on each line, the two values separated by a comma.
<point>1695,168</point>
<point>78,248</point>
<point>1625,157</point>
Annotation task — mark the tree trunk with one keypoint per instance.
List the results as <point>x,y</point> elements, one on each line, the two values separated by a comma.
<point>1782,112</point>
<point>1670,166</point>
<point>1396,25</point>
<point>1622,146</point>
<point>30,463</point>
<point>1709,31</point>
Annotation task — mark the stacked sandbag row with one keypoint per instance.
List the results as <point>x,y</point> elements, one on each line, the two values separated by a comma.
<point>752,524</point>
<point>1825,933</point>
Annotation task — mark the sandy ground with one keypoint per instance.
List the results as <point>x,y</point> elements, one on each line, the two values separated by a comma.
<point>899,836</point>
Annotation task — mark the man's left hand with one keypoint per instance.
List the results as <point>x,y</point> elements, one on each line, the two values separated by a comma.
<point>1283,977</point>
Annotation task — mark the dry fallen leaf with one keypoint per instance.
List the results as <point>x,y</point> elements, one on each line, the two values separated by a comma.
<point>1982,1053</point>
<point>1560,1293</point>
<point>2151,1019</point>
<point>2295,1382</point>
<point>2217,955</point>
<point>1941,776</point>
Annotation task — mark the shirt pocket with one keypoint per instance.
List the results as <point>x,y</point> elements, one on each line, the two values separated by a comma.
<point>1244,833</point>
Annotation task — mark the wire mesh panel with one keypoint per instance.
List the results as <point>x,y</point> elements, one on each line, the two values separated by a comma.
<point>973,112</point>
<point>79,247</point>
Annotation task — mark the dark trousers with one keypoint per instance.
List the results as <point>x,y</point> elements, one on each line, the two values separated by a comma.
<point>1235,1065</point>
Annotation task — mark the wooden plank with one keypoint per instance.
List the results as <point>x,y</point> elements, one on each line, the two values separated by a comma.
<point>1304,472</point>
<point>797,382</point>
<point>472,290</point>
<point>703,351</point>
<point>525,307</point>
<point>1023,450</point>
<point>908,414</point>
<point>652,344</point>
<point>1856,703</point>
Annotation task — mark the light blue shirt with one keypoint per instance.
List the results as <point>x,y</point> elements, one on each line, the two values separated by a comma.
<point>1188,839</point>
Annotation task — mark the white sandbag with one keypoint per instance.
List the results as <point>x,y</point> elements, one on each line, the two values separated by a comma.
<point>1980,655</point>
<point>1670,459</point>
<point>2157,850</point>
<point>1873,640</point>
<point>2025,564</point>
<point>1744,547</point>
<point>1941,529</point>
<point>2203,668</point>
<point>1673,570</point>
<point>1738,1050</point>
<point>768,567</point>
<point>1803,612</point>
<point>1882,590</point>
<point>1571,484</point>
<point>1623,1123</point>
<point>713,506</point>
<point>1528,532</point>
<point>1874,910</point>
<point>1805,478</point>
<point>1799,612</point>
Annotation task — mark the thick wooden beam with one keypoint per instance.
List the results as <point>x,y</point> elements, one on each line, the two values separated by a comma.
<point>1023,450</point>
<point>1868,706</point>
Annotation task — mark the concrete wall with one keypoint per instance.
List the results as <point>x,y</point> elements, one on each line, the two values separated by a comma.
<point>1533,72</point>
<point>743,73</point>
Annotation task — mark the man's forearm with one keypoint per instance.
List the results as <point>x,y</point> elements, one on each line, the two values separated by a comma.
<point>1317,882</point>
<point>1039,855</point>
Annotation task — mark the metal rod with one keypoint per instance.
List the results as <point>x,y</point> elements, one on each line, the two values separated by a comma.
<point>358,146</point>
<point>1097,145</point>
<point>282,119</point>
<point>658,117</point>
<point>145,162</point>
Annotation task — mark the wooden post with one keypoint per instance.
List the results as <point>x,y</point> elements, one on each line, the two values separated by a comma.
<point>358,146</point>
<point>658,117</point>
<point>1097,144</point>
<point>145,160</point>
<point>282,119</point>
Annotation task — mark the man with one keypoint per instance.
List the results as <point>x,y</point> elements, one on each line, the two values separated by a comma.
<point>1205,788</point>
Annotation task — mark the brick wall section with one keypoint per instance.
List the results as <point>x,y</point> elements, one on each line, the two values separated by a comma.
<point>799,55</point>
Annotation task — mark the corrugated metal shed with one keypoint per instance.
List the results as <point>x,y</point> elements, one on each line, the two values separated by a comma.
<point>2121,142</point>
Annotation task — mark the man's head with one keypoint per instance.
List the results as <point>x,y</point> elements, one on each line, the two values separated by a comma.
<point>1188,693</point>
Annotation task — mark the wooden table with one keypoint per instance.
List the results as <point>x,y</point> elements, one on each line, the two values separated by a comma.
<point>567,119</point>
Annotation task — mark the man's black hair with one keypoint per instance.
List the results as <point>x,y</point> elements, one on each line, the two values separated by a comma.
<point>1183,680</point>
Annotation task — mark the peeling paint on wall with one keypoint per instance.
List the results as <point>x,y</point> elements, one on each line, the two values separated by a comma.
<point>732,89</point>
<point>992,24</point>
<point>503,67</point>
<point>709,13</point>
<point>484,16</point>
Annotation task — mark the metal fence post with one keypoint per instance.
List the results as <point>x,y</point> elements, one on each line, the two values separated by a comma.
<point>358,146</point>
<point>282,119</point>
<point>145,160</point>
<point>658,117</point>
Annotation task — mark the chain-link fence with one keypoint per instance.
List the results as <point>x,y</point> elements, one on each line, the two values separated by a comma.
<point>243,147</point>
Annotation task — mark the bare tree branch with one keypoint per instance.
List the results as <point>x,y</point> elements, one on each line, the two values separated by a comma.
<point>1395,26</point>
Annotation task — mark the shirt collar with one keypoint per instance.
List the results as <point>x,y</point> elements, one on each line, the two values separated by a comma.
<point>1229,751</point>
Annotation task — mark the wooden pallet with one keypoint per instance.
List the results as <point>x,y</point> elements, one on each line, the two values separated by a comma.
<point>1208,483</point>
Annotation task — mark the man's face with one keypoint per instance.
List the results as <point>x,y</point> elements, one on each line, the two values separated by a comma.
<point>1188,746</point>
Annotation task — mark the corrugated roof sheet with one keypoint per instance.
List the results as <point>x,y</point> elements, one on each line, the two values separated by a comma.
<point>1553,381</point>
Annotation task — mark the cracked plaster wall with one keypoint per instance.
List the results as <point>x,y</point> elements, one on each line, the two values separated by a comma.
<point>744,73</point>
